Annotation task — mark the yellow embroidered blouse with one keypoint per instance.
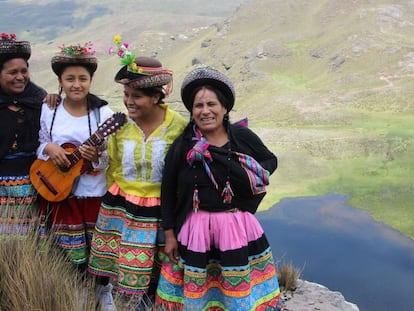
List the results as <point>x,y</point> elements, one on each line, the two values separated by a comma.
<point>136,164</point>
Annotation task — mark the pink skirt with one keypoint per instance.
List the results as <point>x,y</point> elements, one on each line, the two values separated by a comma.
<point>224,231</point>
<point>226,263</point>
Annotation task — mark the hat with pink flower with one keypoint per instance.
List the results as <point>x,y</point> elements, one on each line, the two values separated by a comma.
<point>72,55</point>
<point>10,48</point>
<point>140,72</point>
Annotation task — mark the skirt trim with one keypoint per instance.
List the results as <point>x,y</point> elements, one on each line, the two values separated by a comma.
<point>126,243</point>
<point>18,205</point>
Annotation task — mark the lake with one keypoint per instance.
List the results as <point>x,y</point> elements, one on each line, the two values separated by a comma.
<point>344,249</point>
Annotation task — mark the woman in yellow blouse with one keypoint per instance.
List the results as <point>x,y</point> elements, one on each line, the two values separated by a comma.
<point>128,235</point>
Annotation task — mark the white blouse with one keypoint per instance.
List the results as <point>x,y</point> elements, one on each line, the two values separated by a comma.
<point>70,129</point>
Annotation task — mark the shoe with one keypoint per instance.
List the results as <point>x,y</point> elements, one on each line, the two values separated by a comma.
<point>105,299</point>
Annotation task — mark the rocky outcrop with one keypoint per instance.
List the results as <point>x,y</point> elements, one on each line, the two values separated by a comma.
<point>310,296</point>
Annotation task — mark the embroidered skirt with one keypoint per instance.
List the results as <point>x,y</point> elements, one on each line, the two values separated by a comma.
<point>127,242</point>
<point>17,205</point>
<point>72,222</point>
<point>225,264</point>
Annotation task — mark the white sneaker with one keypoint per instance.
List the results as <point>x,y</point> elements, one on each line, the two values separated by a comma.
<point>105,299</point>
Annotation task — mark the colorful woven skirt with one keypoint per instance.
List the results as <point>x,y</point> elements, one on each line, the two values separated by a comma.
<point>17,205</point>
<point>72,222</point>
<point>127,242</point>
<point>225,264</point>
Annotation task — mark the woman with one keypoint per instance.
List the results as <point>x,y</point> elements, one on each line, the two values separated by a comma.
<point>214,179</point>
<point>20,104</point>
<point>74,120</point>
<point>128,236</point>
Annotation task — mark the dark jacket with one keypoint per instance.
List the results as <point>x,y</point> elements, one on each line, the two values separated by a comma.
<point>19,131</point>
<point>180,179</point>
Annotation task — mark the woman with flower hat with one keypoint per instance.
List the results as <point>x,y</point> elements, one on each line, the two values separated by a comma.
<point>128,236</point>
<point>218,257</point>
<point>74,120</point>
<point>20,104</point>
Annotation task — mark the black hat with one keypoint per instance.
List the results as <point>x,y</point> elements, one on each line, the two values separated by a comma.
<point>145,72</point>
<point>206,75</point>
<point>75,55</point>
<point>10,48</point>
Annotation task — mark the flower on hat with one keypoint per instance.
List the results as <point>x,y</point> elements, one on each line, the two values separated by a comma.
<point>86,49</point>
<point>127,57</point>
<point>5,36</point>
<point>117,39</point>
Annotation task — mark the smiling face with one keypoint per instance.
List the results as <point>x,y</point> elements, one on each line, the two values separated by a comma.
<point>75,82</point>
<point>14,76</point>
<point>139,105</point>
<point>207,111</point>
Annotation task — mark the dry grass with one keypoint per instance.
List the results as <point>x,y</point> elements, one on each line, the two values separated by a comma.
<point>35,277</point>
<point>288,276</point>
<point>38,277</point>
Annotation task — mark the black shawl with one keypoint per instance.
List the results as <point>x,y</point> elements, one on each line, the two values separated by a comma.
<point>25,123</point>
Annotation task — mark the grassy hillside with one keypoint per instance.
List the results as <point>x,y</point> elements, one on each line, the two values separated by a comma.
<point>327,84</point>
<point>151,27</point>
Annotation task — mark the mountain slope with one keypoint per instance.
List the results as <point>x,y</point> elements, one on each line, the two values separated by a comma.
<point>327,84</point>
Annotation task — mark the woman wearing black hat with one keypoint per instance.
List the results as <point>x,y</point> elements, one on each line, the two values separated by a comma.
<point>74,121</point>
<point>20,104</point>
<point>214,179</point>
<point>128,236</point>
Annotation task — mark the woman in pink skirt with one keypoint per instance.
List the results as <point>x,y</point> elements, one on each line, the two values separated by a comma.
<point>217,255</point>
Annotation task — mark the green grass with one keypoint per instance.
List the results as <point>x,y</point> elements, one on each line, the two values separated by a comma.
<point>377,175</point>
<point>290,81</point>
<point>362,148</point>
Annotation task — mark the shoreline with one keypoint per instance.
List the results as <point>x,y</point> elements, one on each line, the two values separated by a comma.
<point>267,207</point>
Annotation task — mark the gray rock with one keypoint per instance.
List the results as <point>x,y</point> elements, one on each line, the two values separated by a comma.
<point>310,296</point>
